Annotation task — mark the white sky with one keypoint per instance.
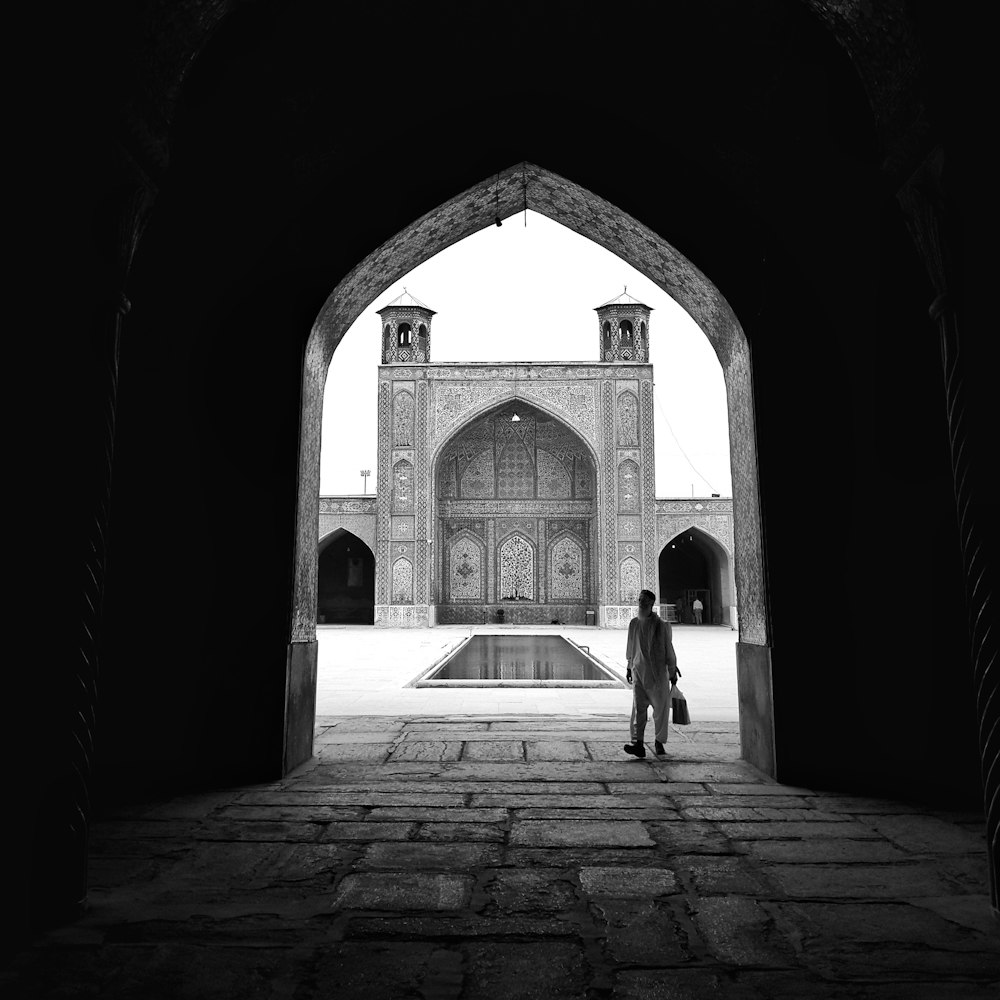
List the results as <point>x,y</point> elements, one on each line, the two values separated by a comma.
<point>528,294</point>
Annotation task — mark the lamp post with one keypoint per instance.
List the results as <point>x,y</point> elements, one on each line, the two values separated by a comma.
<point>365,473</point>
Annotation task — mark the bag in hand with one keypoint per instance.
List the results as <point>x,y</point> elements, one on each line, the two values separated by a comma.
<point>678,702</point>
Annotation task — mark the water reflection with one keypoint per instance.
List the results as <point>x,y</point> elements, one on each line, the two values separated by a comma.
<point>521,658</point>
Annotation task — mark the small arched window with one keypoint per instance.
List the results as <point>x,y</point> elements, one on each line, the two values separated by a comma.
<point>642,331</point>
<point>387,330</point>
<point>606,345</point>
<point>422,331</point>
<point>403,335</point>
<point>625,329</point>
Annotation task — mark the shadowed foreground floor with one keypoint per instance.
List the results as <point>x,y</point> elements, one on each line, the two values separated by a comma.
<point>525,857</point>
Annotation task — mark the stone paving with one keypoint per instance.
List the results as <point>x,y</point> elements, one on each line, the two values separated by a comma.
<point>450,858</point>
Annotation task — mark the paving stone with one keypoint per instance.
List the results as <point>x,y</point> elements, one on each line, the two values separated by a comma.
<point>308,863</point>
<point>672,789</point>
<point>532,891</point>
<point>512,801</point>
<point>191,807</point>
<point>500,750</point>
<point>797,830</point>
<point>334,735</point>
<point>969,872</point>
<point>927,834</point>
<point>403,856</point>
<point>642,931</point>
<point>283,813</point>
<point>430,750</point>
<point>739,932</point>
<point>445,725</point>
<point>361,797</point>
<point>580,857</point>
<point>544,970</point>
<point>165,972</point>
<point>734,801</point>
<point>402,891</point>
<point>689,837</point>
<point>857,804</point>
<point>493,832</point>
<point>559,725</point>
<point>449,815</point>
<point>367,830</point>
<point>578,833</point>
<point>374,752</point>
<point>254,830</point>
<point>678,751</point>
<point>713,773</point>
<point>361,723</point>
<point>756,815</point>
<point>458,928</point>
<point>898,881</point>
<point>628,883</point>
<point>662,813</point>
<point>529,787</point>
<point>820,850</point>
<point>680,984</point>
<point>364,970</point>
<point>146,830</point>
<point>634,770</point>
<point>842,923</point>
<point>711,875</point>
<point>556,750</point>
<point>761,788</point>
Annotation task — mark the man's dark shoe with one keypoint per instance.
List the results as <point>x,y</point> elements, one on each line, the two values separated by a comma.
<point>635,749</point>
<point>658,747</point>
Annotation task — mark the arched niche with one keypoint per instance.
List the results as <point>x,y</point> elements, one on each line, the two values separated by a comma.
<point>345,580</point>
<point>694,560</point>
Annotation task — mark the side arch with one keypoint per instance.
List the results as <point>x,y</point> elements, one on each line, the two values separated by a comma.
<point>692,561</point>
<point>345,579</point>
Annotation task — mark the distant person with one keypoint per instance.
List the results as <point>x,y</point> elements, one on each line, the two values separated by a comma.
<point>651,670</point>
<point>697,608</point>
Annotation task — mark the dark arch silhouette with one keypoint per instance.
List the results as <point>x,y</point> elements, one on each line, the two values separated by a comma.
<point>345,580</point>
<point>693,563</point>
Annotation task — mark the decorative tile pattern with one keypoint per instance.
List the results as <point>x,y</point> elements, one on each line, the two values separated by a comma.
<point>516,559</point>
<point>465,576</point>
<point>628,420</point>
<point>566,570</point>
<point>402,419</point>
<point>631,581</point>
<point>402,581</point>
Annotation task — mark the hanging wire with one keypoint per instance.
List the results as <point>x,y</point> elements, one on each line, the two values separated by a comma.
<point>656,396</point>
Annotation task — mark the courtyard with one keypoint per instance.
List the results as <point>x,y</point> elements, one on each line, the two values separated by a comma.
<point>365,671</point>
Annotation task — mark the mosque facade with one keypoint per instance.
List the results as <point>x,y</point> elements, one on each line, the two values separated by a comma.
<point>520,492</point>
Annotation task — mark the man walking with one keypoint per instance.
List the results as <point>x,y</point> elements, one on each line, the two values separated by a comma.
<point>697,608</point>
<point>651,670</point>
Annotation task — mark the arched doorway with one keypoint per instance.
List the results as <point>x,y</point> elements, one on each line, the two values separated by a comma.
<point>693,564</point>
<point>345,582</point>
<point>590,216</point>
<point>516,528</point>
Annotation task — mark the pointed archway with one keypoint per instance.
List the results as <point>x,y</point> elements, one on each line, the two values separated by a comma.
<point>694,564</point>
<point>345,581</point>
<point>584,212</point>
<point>530,555</point>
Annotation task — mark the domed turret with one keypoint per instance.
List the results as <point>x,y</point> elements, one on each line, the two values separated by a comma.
<point>406,330</point>
<point>624,326</point>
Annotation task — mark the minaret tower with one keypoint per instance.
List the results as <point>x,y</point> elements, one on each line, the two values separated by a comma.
<point>406,330</point>
<point>624,326</point>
